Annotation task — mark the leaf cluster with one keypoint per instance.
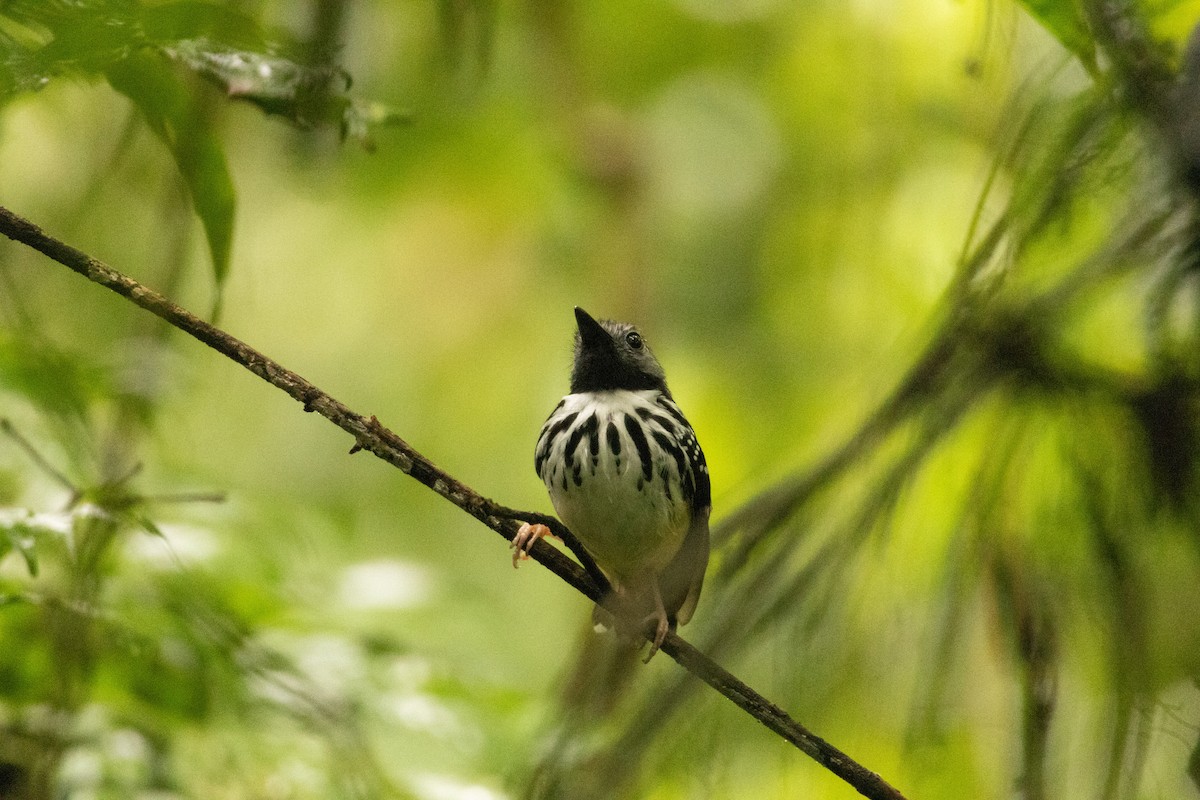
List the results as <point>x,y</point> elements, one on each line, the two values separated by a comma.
<point>154,53</point>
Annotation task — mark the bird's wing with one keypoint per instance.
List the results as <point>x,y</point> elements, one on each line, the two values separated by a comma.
<point>683,578</point>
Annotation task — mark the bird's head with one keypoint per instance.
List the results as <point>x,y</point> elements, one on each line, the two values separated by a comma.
<point>613,355</point>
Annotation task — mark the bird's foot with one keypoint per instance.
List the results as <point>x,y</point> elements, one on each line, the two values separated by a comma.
<point>627,617</point>
<point>526,538</point>
<point>660,628</point>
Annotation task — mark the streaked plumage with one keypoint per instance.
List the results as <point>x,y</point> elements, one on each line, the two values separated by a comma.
<point>626,474</point>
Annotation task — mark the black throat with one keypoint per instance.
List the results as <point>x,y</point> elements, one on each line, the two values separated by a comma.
<point>599,371</point>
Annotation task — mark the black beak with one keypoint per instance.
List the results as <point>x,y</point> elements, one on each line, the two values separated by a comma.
<point>590,331</point>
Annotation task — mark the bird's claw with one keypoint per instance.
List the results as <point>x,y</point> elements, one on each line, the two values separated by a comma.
<point>527,536</point>
<point>626,620</point>
<point>661,628</point>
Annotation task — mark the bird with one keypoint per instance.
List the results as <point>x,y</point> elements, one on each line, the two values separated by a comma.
<point>626,474</point>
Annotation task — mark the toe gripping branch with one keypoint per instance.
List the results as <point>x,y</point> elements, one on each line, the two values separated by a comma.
<point>529,533</point>
<point>527,536</point>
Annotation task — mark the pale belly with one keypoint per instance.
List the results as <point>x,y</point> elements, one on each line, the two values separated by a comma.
<point>627,531</point>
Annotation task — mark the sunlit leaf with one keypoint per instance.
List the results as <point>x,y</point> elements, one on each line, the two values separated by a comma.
<point>1064,19</point>
<point>1172,20</point>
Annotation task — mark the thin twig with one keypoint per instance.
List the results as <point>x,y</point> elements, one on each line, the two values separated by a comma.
<point>184,497</point>
<point>8,428</point>
<point>370,435</point>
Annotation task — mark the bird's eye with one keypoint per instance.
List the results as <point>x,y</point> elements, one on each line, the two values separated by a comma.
<point>634,339</point>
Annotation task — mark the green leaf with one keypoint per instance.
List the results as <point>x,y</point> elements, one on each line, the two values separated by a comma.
<point>7,599</point>
<point>148,80</point>
<point>42,40</point>
<point>22,537</point>
<point>147,524</point>
<point>173,22</point>
<point>118,39</point>
<point>48,38</point>
<point>24,546</point>
<point>58,382</point>
<point>1172,20</point>
<point>18,70</point>
<point>306,95</point>
<point>1065,20</point>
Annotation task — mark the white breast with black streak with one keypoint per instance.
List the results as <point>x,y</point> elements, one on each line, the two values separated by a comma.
<point>622,469</point>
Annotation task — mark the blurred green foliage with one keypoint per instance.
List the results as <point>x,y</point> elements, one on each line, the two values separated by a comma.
<point>136,48</point>
<point>923,276</point>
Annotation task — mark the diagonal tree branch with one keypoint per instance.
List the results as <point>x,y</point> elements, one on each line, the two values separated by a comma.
<point>370,435</point>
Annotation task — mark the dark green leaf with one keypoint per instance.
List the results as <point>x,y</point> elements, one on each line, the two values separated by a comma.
<point>148,80</point>
<point>306,95</point>
<point>7,599</point>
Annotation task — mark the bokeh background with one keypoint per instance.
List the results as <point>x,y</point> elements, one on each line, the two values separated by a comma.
<point>921,274</point>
